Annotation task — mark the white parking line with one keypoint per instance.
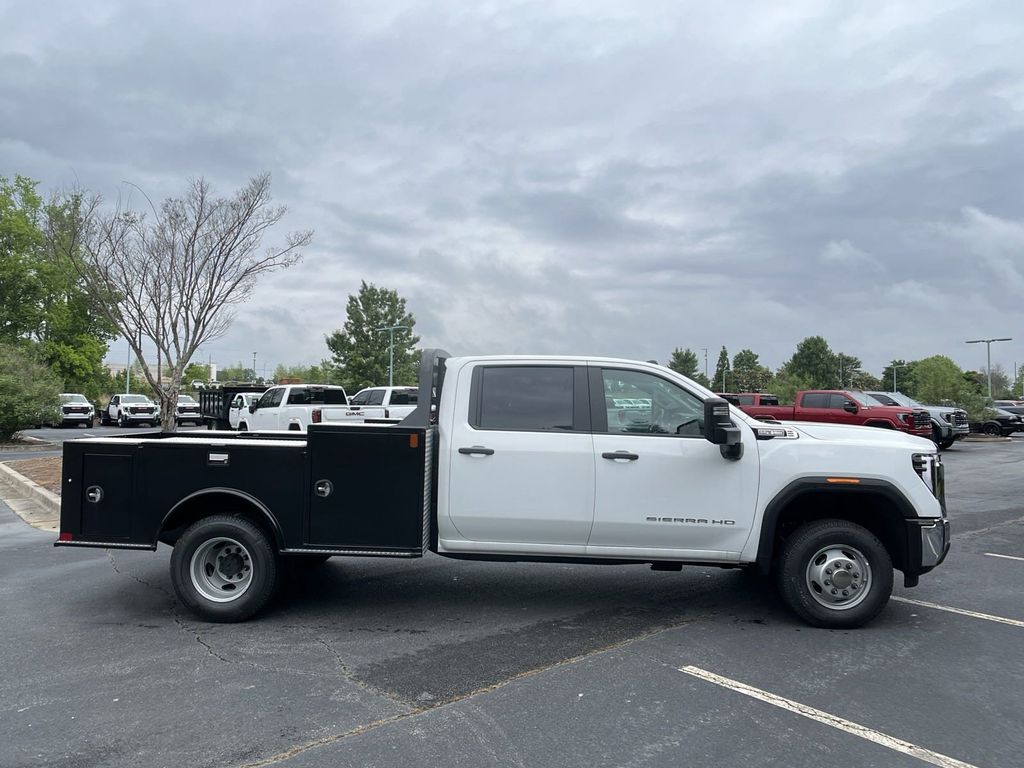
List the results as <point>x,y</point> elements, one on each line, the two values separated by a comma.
<point>897,745</point>
<point>961,611</point>
<point>1007,557</point>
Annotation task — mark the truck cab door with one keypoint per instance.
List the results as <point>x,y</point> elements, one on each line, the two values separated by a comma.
<point>267,407</point>
<point>661,488</point>
<point>814,406</point>
<point>519,466</point>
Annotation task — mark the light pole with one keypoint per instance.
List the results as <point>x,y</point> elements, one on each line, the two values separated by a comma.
<point>391,347</point>
<point>988,350</point>
<point>894,367</point>
<point>128,372</point>
<point>254,366</point>
<point>705,351</point>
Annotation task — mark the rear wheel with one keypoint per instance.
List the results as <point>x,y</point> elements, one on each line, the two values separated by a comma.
<point>224,569</point>
<point>835,574</point>
<point>993,428</point>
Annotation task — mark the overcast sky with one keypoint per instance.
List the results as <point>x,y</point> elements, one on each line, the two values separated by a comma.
<point>580,177</point>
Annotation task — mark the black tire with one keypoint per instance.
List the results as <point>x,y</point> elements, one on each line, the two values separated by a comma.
<point>947,443</point>
<point>122,422</point>
<point>212,537</point>
<point>993,428</point>
<point>803,574</point>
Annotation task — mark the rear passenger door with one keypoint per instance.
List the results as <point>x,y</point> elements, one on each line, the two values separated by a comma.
<point>813,406</point>
<point>521,464</point>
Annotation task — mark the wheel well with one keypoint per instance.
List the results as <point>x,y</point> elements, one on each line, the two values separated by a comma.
<point>294,427</point>
<point>195,508</point>
<point>870,509</point>
<point>878,424</point>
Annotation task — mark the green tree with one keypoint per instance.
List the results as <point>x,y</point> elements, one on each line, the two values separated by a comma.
<point>786,385</point>
<point>236,372</point>
<point>310,374</point>
<point>747,372</point>
<point>906,381</point>
<point>195,372</point>
<point>722,379</point>
<point>21,246</point>
<point>360,348</point>
<point>685,361</point>
<point>814,363</point>
<point>28,389</point>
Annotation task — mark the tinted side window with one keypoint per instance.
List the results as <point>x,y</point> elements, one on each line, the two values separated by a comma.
<point>769,401</point>
<point>747,400</point>
<point>815,400</point>
<point>404,397</point>
<point>361,397</point>
<point>298,397</point>
<point>376,397</point>
<point>838,401</point>
<point>271,398</point>
<point>525,397</point>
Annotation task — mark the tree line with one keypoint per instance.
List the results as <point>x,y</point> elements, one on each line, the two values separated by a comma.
<point>814,365</point>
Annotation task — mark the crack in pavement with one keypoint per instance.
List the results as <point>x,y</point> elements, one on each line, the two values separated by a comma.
<point>977,531</point>
<point>419,710</point>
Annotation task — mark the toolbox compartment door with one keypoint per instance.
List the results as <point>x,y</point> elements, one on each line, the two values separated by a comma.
<point>369,488</point>
<point>107,500</point>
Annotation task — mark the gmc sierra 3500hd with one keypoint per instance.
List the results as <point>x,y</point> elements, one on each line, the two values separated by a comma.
<point>526,458</point>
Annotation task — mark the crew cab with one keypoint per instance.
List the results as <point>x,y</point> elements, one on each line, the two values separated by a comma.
<point>187,410</point>
<point>540,459</point>
<point>949,423</point>
<point>125,410</point>
<point>851,407</point>
<point>75,409</point>
<point>375,403</point>
<point>294,407</point>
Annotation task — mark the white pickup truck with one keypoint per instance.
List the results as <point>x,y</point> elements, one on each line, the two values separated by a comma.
<point>375,403</point>
<point>294,407</point>
<point>541,459</point>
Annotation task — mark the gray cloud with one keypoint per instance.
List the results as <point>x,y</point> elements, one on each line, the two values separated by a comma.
<point>568,176</point>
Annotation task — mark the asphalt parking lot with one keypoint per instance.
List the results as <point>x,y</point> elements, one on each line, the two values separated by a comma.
<point>383,662</point>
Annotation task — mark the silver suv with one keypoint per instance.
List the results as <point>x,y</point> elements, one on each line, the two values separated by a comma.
<point>949,423</point>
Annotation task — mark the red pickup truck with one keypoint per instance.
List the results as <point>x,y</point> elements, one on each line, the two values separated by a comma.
<point>834,406</point>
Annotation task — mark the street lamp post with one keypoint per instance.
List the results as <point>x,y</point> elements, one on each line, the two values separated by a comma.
<point>705,351</point>
<point>988,350</point>
<point>894,367</point>
<point>391,347</point>
<point>128,372</point>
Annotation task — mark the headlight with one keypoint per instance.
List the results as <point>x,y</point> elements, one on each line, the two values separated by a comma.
<point>928,467</point>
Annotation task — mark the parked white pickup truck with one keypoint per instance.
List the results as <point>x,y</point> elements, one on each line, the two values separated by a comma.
<point>375,403</point>
<point>557,459</point>
<point>293,407</point>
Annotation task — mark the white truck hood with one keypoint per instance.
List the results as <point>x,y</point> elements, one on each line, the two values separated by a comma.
<point>842,433</point>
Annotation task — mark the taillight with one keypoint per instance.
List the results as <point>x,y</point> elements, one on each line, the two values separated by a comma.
<point>316,416</point>
<point>65,536</point>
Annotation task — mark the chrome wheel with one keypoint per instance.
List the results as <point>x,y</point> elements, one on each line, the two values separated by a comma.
<point>221,569</point>
<point>838,577</point>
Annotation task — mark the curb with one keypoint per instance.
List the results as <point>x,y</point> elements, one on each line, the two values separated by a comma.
<point>19,486</point>
<point>37,445</point>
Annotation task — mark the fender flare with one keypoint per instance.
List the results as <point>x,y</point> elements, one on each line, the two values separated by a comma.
<point>819,484</point>
<point>264,512</point>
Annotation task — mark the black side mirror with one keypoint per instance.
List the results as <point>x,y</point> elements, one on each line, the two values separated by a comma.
<point>252,408</point>
<point>850,407</point>
<point>719,429</point>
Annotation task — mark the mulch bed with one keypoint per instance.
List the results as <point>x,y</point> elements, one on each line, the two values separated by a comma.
<point>45,471</point>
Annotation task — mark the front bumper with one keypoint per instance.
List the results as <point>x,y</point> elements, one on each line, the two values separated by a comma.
<point>76,417</point>
<point>141,416</point>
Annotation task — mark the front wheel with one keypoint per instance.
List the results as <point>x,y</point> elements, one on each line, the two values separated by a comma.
<point>223,569</point>
<point>947,443</point>
<point>122,421</point>
<point>993,429</point>
<point>835,574</point>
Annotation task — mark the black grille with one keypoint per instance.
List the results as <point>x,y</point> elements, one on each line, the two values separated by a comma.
<point>960,418</point>
<point>922,419</point>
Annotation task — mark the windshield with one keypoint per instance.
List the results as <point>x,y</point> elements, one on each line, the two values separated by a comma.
<point>134,399</point>
<point>187,399</point>
<point>862,398</point>
<point>73,399</point>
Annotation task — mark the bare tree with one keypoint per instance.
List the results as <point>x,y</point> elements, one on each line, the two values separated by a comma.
<point>171,280</point>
